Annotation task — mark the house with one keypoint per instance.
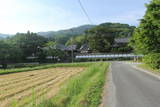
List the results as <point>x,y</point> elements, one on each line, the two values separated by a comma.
<point>121,42</point>
<point>60,47</point>
<point>57,46</point>
<point>71,48</point>
<point>84,49</point>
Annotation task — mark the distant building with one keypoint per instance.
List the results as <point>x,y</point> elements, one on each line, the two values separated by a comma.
<point>60,47</point>
<point>120,42</point>
<point>71,47</point>
<point>84,49</point>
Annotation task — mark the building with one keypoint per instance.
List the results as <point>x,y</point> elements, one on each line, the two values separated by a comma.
<point>84,49</point>
<point>120,42</point>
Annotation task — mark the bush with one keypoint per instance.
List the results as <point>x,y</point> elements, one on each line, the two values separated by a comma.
<point>153,60</point>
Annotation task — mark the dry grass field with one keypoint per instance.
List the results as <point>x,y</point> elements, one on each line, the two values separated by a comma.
<point>25,88</point>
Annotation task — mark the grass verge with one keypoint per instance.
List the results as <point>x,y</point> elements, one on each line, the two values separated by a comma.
<point>83,90</point>
<point>146,67</point>
<point>9,71</point>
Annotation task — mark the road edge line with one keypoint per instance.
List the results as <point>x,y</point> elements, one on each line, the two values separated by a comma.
<point>146,71</point>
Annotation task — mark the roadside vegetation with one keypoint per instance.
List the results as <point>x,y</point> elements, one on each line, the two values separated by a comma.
<point>151,63</point>
<point>84,90</point>
<point>152,60</point>
<point>148,68</point>
<point>146,38</point>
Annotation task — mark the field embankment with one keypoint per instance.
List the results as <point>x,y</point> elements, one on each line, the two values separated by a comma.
<point>16,70</point>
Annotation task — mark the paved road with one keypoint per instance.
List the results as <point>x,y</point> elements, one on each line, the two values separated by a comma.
<point>132,87</point>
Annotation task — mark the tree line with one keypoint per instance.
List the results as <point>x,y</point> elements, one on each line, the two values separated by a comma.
<point>102,38</point>
<point>23,47</point>
<point>146,38</point>
<point>17,48</point>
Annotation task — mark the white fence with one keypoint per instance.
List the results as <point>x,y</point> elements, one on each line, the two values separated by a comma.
<point>107,56</point>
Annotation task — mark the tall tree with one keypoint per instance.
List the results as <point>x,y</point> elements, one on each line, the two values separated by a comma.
<point>4,53</point>
<point>29,43</point>
<point>78,40</point>
<point>100,39</point>
<point>8,53</point>
<point>51,50</point>
<point>146,37</point>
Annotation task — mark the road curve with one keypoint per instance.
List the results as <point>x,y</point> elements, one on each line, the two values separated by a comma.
<point>132,87</point>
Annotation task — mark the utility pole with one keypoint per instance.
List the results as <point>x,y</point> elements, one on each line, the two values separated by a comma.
<point>72,49</point>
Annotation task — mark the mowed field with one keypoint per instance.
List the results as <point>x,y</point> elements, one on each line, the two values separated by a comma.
<point>25,87</point>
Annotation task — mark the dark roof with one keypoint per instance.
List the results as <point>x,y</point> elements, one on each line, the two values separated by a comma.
<point>84,47</point>
<point>57,46</point>
<point>60,46</point>
<point>71,47</point>
<point>122,40</point>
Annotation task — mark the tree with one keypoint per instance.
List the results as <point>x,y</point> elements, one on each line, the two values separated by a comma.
<point>9,53</point>
<point>146,37</point>
<point>4,53</point>
<point>51,50</point>
<point>41,54</point>
<point>29,43</point>
<point>78,40</point>
<point>100,39</point>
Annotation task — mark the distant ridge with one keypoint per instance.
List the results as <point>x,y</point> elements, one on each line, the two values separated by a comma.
<point>72,31</point>
<point>2,36</point>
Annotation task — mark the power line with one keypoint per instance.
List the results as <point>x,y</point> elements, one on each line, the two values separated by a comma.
<point>85,12</point>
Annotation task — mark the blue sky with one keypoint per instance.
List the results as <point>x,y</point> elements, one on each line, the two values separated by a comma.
<point>52,15</point>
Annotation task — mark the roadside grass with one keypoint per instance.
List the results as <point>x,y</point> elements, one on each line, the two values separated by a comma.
<point>9,71</point>
<point>146,67</point>
<point>83,90</point>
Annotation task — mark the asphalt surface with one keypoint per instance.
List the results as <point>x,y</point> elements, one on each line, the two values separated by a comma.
<point>132,87</point>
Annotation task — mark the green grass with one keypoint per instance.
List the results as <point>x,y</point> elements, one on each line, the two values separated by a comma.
<point>83,90</point>
<point>146,67</point>
<point>8,71</point>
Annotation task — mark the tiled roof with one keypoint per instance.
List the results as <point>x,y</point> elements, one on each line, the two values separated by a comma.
<point>122,40</point>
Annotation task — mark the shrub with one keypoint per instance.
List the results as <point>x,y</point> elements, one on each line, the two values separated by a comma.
<point>153,60</point>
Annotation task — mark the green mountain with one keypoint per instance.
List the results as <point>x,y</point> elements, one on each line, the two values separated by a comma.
<point>120,30</point>
<point>72,31</point>
<point>106,37</point>
<point>63,36</point>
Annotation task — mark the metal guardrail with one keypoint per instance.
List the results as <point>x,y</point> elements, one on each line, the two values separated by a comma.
<point>107,56</point>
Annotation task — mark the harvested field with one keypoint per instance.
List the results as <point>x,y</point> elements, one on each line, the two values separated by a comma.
<point>24,88</point>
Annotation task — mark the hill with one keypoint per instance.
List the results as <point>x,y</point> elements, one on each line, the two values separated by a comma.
<point>2,36</point>
<point>120,30</point>
<point>62,36</point>
<point>72,31</point>
<point>106,37</point>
